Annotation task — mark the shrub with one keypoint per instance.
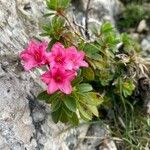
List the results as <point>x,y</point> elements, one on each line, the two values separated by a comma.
<point>85,77</point>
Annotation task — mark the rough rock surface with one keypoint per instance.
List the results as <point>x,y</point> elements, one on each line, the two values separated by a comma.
<point>24,122</point>
<point>145,44</point>
<point>98,11</point>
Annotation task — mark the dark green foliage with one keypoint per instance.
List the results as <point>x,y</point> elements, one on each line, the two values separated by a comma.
<point>55,28</point>
<point>131,16</point>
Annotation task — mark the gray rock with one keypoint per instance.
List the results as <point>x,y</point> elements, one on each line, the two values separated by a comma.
<point>145,44</point>
<point>99,11</point>
<point>142,26</point>
<point>135,36</point>
<point>18,23</point>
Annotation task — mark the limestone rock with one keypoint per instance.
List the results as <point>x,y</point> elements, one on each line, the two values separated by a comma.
<point>98,12</point>
<point>145,44</point>
<point>142,26</point>
<point>25,123</point>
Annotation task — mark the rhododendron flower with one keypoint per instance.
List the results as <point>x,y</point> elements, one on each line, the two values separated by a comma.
<point>57,57</point>
<point>34,55</point>
<point>68,58</point>
<point>75,58</point>
<point>58,79</point>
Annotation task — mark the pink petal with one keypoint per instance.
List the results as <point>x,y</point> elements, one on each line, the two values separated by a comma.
<point>46,77</point>
<point>53,64</point>
<point>65,87</point>
<point>48,57</point>
<point>69,64</point>
<point>25,55</point>
<point>71,49</point>
<point>42,47</point>
<point>81,55</point>
<point>29,65</point>
<point>84,64</point>
<point>70,75</point>
<point>32,46</point>
<point>52,87</point>
<point>57,48</point>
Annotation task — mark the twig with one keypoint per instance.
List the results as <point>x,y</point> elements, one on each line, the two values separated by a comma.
<point>86,20</point>
<point>75,32</point>
<point>78,25</point>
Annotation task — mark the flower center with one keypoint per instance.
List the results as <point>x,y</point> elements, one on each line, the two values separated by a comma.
<point>58,59</point>
<point>58,78</point>
<point>37,56</point>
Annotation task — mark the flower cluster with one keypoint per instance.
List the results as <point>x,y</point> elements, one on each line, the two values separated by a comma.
<point>62,63</point>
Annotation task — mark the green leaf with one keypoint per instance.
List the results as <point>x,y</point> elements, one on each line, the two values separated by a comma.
<point>70,103</point>
<point>89,98</point>
<point>43,96</point>
<point>56,104</point>
<point>77,81</point>
<point>64,3</point>
<point>54,28</point>
<point>84,113</point>
<point>56,115</point>
<point>106,27</point>
<point>95,97</point>
<point>93,109</point>
<point>49,14</point>
<point>57,26</point>
<point>84,87</point>
<point>63,117</point>
<point>74,119</point>
<point>105,76</point>
<point>48,98</point>
<point>57,4</point>
<point>88,73</point>
<point>125,87</point>
<point>91,50</point>
<point>67,111</point>
<point>52,4</point>
<point>128,87</point>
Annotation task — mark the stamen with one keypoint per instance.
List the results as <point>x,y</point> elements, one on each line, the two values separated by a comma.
<point>58,78</point>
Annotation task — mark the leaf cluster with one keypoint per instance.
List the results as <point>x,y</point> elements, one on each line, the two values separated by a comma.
<point>82,103</point>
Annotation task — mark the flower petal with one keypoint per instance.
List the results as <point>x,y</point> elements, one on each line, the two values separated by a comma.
<point>52,87</point>
<point>57,48</point>
<point>29,65</point>
<point>65,87</point>
<point>25,55</point>
<point>71,49</point>
<point>84,64</point>
<point>81,55</point>
<point>70,75</point>
<point>46,77</point>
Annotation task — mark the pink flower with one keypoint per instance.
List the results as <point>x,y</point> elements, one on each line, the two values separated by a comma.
<point>58,79</point>
<point>34,55</point>
<point>68,58</point>
<point>75,58</point>
<point>58,56</point>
